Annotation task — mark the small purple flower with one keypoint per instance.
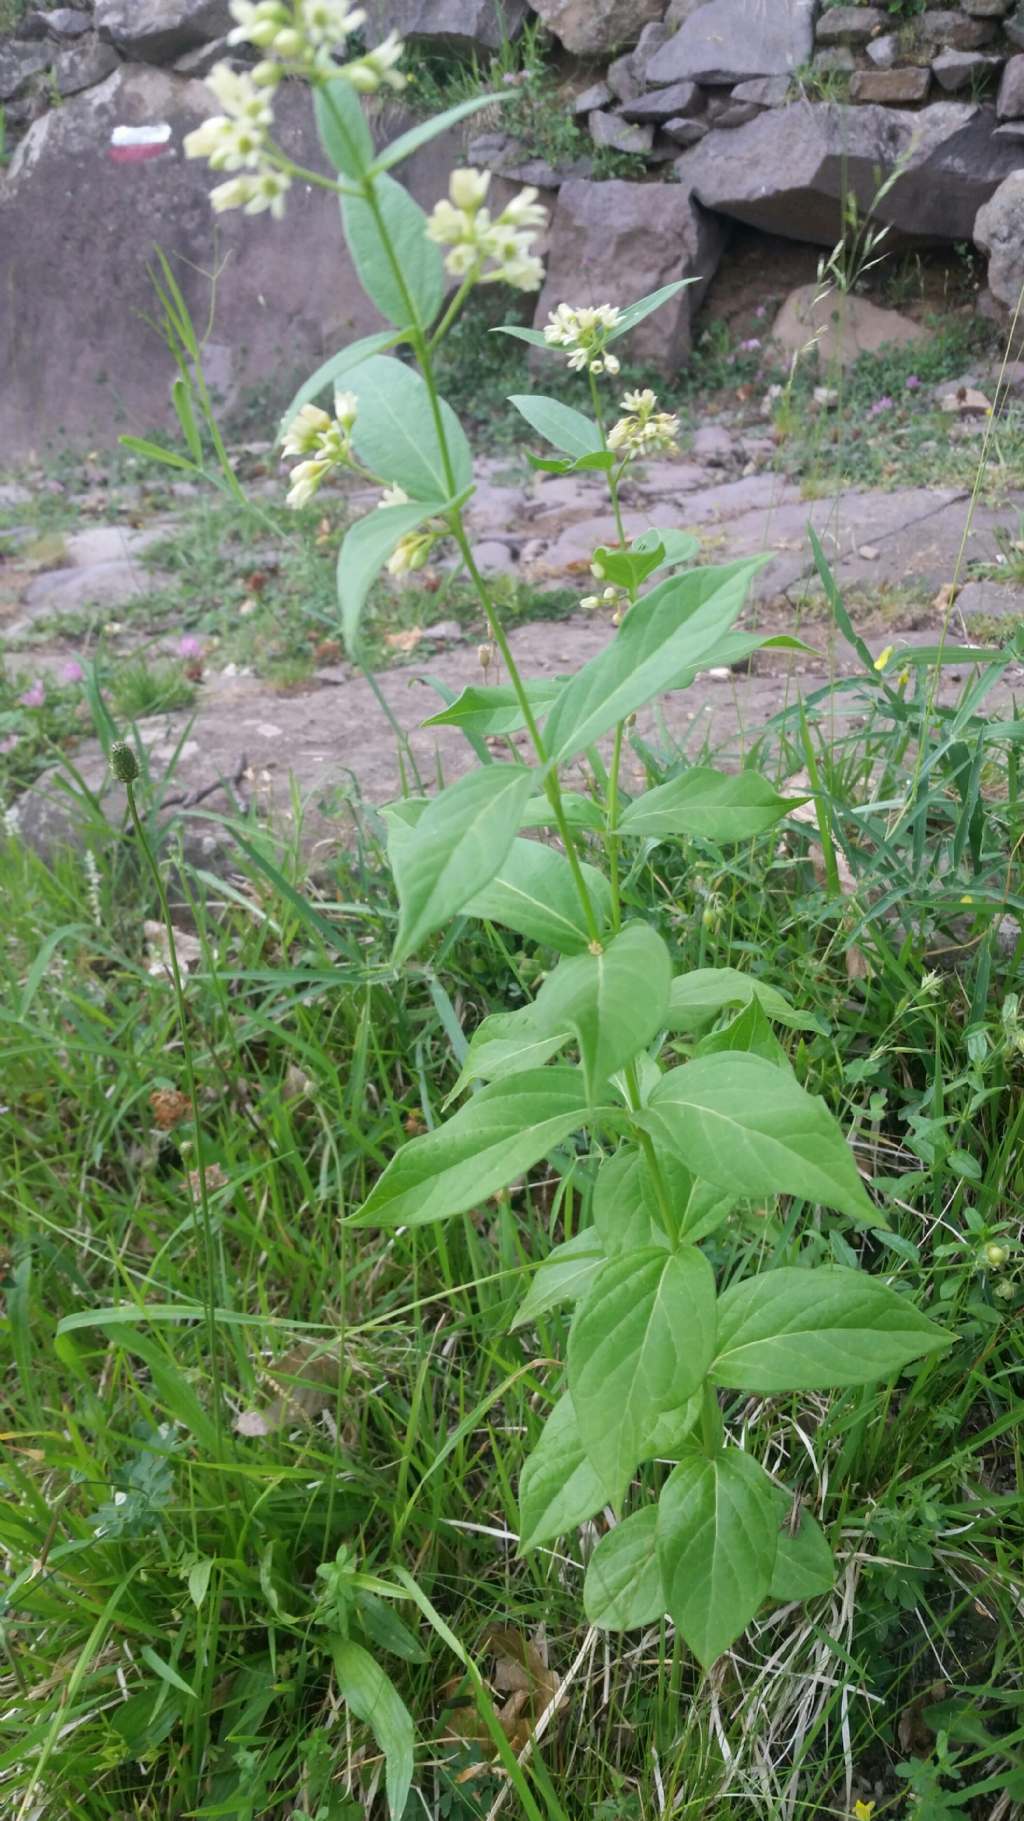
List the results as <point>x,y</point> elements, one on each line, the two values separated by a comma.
<point>913,384</point>
<point>9,742</point>
<point>189,646</point>
<point>761,312</point>
<point>71,671</point>
<point>34,696</point>
<point>885,403</point>
<point>750,346</point>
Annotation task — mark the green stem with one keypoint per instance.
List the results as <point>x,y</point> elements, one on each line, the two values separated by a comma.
<point>452,312</point>
<point>611,828</point>
<point>205,1227</point>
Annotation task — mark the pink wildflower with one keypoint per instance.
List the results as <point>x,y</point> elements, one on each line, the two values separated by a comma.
<point>34,696</point>
<point>913,384</point>
<point>71,671</point>
<point>9,742</point>
<point>750,346</point>
<point>885,403</point>
<point>189,646</point>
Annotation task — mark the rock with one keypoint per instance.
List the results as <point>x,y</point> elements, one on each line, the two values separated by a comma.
<point>153,30</point>
<point>999,232</point>
<point>619,135</point>
<point>1010,100</point>
<point>890,87</point>
<point>595,96</point>
<point>1014,28</point>
<point>63,23</point>
<point>458,25</point>
<point>956,70</point>
<point>12,493</point>
<point>679,11</point>
<point>789,170</point>
<point>83,65</point>
<point>101,220</point>
<point>835,59</point>
<point>763,91</point>
<point>732,113</point>
<point>685,132</point>
<point>730,40</point>
<point>1011,129</point>
<point>993,599</point>
<point>884,52</point>
<point>614,242</point>
<point>842,328</point>
<point>849,24</point>
<point>955,31</point>
<point>494,558</point>
<point>200,61</point>
<point>511,158</point>
<point>100,585</point>
<point>677,101</point>
<point>591,28</point>
<point>986,9</point>
<point>110,544</point>
<point>627,75</point>
<point>18,64</point>
<point>713,445</point>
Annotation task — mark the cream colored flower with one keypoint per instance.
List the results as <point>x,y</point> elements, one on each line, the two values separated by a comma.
<point>305,430</point>
<point>327,440</point>
<point>482,248</point>
<point>412,552</point>
<point>306,480</point>
<point>393,496</point>
<point>644,430</point>
<point>583,334</point>
<point>378,67</point>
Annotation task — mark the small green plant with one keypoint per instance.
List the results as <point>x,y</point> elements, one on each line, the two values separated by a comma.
<point>605,1069</point>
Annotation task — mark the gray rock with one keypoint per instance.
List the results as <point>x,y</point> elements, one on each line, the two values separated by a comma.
<point>1014,28</point>
<point>18,64</point>
<point>1011,129</point>
<point>956,70</point>
<point>200,61</point>
<point>849,24</point>
<point>100,585</point>
<point>152,30</point>
<point>731,40</point>
<point>841,328</point>
<point>891,88</point>
<point>595,96</point>
<point>986,9</point>
<point>789,170</point>
<point>713,445</point>
<point>733,113</point>
<point>619,135</point>
<point>999,232</point>
<point>993,599</point>
<point>679,11</point>
<point>512,159</point>
<point>764,91</point>
<point>83,65</point>
<point>592,28</point>
<point>627,75</point>
<point>114,371</point>
<point>459,25</point>
<point>678,100</point>
<point>955,31</point>
<point>614,242</point>
<point>1010,100</point>
<point>63,23</point>
<point>835,58</point>
<point>685,132</point>
<point>884,52</point>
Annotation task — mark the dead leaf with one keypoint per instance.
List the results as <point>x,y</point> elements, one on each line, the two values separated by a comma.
<point>305,1382</point>
<point>404,641</point>
<point>964,401</point>
<point>169,1107</point>
<point>522,1674</point>
<point>188,949</point>
<point>944,599</point>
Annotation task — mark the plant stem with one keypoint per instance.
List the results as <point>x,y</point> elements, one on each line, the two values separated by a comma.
<point>205,1226</point>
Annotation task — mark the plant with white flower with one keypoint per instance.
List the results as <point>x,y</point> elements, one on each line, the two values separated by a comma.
<point>615,599</point>
<point>584,333</point>
<point>644,430</point>
<point>484,249</point>
<point>414,549</point>
<point>307,37</point>
<point>239,140</point>
<point>325,441</point>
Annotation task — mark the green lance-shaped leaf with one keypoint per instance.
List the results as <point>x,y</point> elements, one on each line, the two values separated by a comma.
<point>504,1130</point>
<point>456,849</point>
<point>640,1344</point>
<point>622,1217</point>
<point>365,549</point>
<point>792,1330</point>
<point>804,1563</point>
<point>329,373</point>
<point>374,1699</point>
<point>564,1277</point>
<point>718,1530</point>
<point>343,128</point>
<point>748,1126</point>
<point>559,1488</point>
<point>395,432</point>
<point>645,306</point>
<point>699,996</point>
<point>559,424</point>
<point>508,1043</point>
<point>665,636</point>
<point>426,130</point>
<point>495,708</point>
<point>615,1001</point>
<point>748,1031</point>
<point>711,805</point>
<point>623,1588</point>
<point>534,893</point>
<point>400,270</point>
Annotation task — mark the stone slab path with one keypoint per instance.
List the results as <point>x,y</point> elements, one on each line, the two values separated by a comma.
<point>246,742</point>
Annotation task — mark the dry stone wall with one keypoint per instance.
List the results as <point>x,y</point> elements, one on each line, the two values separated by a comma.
<point>761,111</point>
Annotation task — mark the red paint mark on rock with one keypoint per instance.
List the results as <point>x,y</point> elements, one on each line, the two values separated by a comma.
<point>133,144</point>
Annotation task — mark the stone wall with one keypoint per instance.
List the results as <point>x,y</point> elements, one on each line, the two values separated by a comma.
<point>763,111</point>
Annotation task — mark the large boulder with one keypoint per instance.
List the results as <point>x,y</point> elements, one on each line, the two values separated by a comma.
<point>841,328</point>
<point>593,28</point>
<point>615,242</point>
<point>80,220</point>
<point>999,232</point>
<point>789,170</point>
<point>153,30</point>
<point>460,25</point>
<point>731,40</point>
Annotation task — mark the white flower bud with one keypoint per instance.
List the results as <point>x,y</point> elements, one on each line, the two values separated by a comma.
<point>468,189</point>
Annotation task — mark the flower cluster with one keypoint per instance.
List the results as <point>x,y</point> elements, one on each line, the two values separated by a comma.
<point>239,140</point>
<point>614,598</point>
<point>643,430</point>
<point>305,36</point>
<point>584,333</point>
<point>325,441</point>
<point>413,550</point>
<point>484,249</point>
